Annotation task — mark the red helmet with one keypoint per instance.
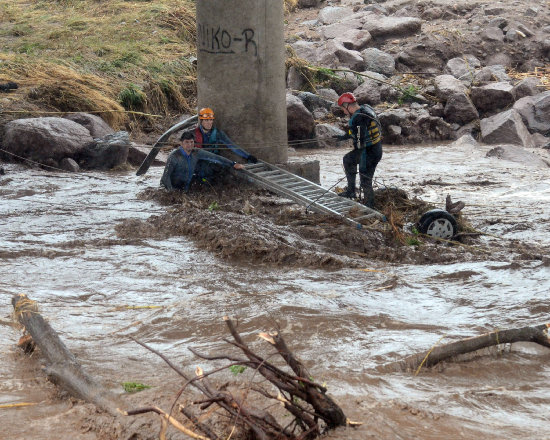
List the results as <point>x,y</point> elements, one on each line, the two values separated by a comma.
<point>346,97</point>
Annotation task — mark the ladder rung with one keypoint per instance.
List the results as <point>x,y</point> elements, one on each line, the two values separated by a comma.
<point>269,173</point>
<point>254,167</point>
<point>295,185</point>
<point>283,179</point>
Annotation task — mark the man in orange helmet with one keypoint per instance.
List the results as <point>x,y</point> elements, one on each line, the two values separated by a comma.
<point>365,130</point>
<point>209,137</point>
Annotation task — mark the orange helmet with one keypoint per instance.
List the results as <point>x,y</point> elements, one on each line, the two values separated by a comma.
<point>206,113</point>
<point>346,97</point>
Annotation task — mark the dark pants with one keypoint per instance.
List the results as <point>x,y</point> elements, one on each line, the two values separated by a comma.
<point>367,159</point>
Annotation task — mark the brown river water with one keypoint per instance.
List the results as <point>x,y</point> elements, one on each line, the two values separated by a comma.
<point>59,246</point>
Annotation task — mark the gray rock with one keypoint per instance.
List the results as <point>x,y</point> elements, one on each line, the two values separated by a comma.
<point>494,9</point>
<point>448,85</point>
<point>346,58</point>
<point>354,39</point>
<point>369,91</point>
<point>505,128</point>
<point>333,14</point>
<point>518,155</point>
<point>324,133</point>
<point>531,11</point>
<point>381,27</point>
<point>344,82</point>
<point>312,101</point>
<point>459,66</point>
<point>492,34</point>
<point>294,79</point>
<point>300,123</point>
<point>107,152</point>
<point>491,73</point>
<point>526,87</point>
<point>306,50</point>
<point>466,140</point>
<point>460,109</point>
<point>378,61</point>
<point>95,125</point>
<point>492,97</point>
<point>335,30</point>
<point>69,164</point>
<point>499,58</point>
<point>328,94</point>
<point>40,139</point>
<point>535,112</point>
<point>319,113</point>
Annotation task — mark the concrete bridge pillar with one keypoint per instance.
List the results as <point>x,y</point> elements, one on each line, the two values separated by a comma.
<point>241,72</point>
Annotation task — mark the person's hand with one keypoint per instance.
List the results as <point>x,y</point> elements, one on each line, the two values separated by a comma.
<point>238,166</point>
<point>252,159</point>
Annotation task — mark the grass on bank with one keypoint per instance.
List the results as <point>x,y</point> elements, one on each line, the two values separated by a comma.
<point>86,55</point>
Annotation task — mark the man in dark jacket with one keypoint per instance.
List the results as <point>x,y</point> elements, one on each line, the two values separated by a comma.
<point>365,130</point>
<point>185,161</point>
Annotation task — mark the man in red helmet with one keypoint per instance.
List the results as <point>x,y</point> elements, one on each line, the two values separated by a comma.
<point>365,130</point>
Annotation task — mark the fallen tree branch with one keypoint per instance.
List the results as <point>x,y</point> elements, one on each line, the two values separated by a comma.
<point>61,367</point>
<point>538,334</point>
<point>297,395</point>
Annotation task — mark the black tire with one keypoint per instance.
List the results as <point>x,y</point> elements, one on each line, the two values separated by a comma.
<point>438,223</point>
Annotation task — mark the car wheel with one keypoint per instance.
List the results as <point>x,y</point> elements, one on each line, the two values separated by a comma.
<point>438,223</point>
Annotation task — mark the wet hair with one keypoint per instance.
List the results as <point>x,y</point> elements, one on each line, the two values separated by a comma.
<point>187,135</point>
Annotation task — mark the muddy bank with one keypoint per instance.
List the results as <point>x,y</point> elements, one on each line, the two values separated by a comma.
<point>244,224</point>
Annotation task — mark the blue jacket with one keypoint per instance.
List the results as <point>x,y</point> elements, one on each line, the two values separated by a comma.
<point>214,139</point>
<point>181,167</point>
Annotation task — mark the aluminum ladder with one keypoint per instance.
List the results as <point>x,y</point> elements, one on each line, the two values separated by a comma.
<point>309,194</point>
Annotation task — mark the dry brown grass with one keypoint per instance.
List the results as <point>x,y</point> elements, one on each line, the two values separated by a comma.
<point>79,55</point>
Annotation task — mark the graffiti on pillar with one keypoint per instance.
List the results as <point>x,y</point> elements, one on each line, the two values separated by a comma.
<point>215,39</point>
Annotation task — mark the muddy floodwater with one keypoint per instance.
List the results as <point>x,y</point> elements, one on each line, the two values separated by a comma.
<point>59,245</point>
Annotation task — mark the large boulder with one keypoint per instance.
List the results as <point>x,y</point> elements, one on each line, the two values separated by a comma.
<point>350,59</point>
<point>517,154</point>
<point>106,153</point>
<point>460,109</point>
<point>492,97</point>
<point>300,123</point>
<point>535,112</point>
<point>448,85</point>
<point>324,134</point>
<point>313,101</point>
<point>506,128</point>
<point>378,61</point>
<point>45,139</point>
<point>97,127</point>
<point>369,92</point>
<point>390,27</point>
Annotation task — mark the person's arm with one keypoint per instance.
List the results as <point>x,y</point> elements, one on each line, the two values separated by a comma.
<point>166,179</point>
<point>215,158</point>
<point>224,139</point>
